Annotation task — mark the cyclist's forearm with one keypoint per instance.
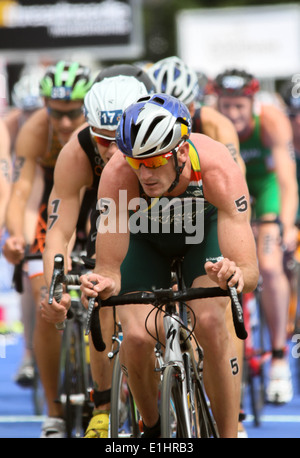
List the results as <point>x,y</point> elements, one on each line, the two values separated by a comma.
<point>15,217</point>
<point>289,207</point>
<point>250,276</point>
<point>48,259</point>
<point>112,275</point>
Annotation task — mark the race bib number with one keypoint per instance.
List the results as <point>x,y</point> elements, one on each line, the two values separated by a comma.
<point>110,118</point>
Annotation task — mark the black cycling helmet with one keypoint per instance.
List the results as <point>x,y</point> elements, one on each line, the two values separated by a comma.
<point>290,94</point>
<point>235,83</point>
<point>127,70</point>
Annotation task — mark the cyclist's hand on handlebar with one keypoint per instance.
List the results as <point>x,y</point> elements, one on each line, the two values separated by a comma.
<point>93,285</point>
<point>55,312</point>
<point>220,272</point>
<point>14,249</point>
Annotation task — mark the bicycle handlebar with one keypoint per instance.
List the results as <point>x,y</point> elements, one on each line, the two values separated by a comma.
<point>160,296</point>
<point>163,296</point>
<point>18,269</point>
<point>58,280</point>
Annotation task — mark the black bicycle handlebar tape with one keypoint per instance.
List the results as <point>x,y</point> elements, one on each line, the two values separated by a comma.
<point>96,332</point>
<point>88,262</point>
<point>56,287</point>
<point>237,313</point>
<point>93,324</point>
<point>17,278</point>
<point>90,310</point>
<point>18,269</point>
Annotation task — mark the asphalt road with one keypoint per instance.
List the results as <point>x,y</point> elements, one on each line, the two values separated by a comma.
<point>18,419</point>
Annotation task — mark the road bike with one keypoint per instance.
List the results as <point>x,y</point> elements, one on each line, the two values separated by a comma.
<point>75,380</point>
<point>184,407</point>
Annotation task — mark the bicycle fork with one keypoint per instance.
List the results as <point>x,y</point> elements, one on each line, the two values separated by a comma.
<point>173,356</point>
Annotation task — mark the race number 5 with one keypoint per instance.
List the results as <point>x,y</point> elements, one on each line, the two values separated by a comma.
<point>234,366</point>
<point>241,204</point>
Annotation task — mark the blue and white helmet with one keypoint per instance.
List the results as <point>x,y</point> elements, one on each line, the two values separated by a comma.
<point>172,76</point>
<point>155,125</point>
<point>107,99</point>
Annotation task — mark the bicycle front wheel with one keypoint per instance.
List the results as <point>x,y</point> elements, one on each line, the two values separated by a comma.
<point>123,411</point>
<point>173,423</point>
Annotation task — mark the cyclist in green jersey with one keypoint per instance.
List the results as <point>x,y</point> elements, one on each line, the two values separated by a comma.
<point>161,161</point>
<point>267,150</point>
<point>172,76</point>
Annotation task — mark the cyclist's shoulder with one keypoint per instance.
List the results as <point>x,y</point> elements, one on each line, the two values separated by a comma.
<point>33,136</point>
<point>211,114</point>
<point>118,174</point>
<point>73,160</point>
<point>12,115</point>
<point>37,124</point>
<point>205,145</point>
<point>274,123</point>
<point>216,162</point>
<point>216,125</point>
<point>81,130</point>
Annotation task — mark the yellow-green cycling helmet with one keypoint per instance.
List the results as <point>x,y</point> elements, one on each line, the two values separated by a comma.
<point>66,81</point>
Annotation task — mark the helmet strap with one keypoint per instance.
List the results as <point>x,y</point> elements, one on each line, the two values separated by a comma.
<point>178,170</point>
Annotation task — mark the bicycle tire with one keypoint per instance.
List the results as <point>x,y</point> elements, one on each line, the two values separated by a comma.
<point>200,426</point>
<point>172,410</point>
<point>123,412</point>
<point>73,382</point>
<point>38,395</point>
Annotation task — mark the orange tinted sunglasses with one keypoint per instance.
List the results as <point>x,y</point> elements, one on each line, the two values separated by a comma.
<point>149,162</point>
<point>102,139</point>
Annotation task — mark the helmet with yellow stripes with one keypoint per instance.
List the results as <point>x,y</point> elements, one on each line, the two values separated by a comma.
<point>154,125</point>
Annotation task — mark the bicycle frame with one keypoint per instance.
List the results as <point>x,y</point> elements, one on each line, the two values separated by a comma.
<point>173,324</point>
<point>173,354</point>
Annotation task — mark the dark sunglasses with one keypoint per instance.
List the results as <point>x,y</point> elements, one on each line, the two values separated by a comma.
<point>58,114</point>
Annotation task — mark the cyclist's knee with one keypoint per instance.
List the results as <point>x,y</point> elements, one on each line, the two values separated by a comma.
<point>270,271</point>
<point>137,342</point>
<point>211,328</point>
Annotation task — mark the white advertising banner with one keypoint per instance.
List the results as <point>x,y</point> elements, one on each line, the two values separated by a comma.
<point>263,40</point>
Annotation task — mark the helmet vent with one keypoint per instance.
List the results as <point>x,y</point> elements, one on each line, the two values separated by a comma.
<point>133,131</point>
<point>151,128</point>
<point>158,100</point>
<point>148,152</point>
<point>167,140</point>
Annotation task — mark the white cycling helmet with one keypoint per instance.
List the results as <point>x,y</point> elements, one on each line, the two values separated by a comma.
<point>173,77</point>
<point>106,100</point>
<point>26,91</point>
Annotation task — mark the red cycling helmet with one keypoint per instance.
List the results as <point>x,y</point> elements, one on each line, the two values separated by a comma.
<point>235,83</point>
